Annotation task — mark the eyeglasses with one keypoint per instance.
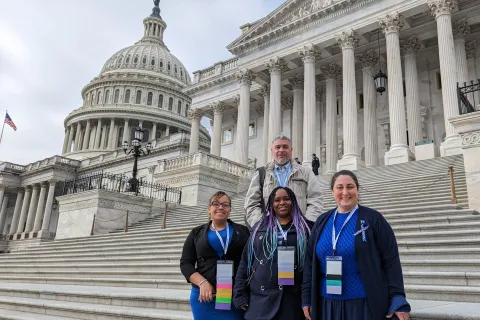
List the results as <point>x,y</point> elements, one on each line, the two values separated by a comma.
<point>218,204</point>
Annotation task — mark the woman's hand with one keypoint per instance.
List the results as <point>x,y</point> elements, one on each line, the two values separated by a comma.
<point>244,307</point>
<point>306,312</point>
<point>206,292</point>
<point>400,315</point>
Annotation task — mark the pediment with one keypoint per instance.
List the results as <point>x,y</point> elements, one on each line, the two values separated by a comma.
<point>292,14</point>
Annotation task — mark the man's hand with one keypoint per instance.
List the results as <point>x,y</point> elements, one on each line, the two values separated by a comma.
<point>306,312</point>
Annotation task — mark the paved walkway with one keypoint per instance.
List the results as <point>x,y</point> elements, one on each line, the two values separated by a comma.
<point>444,310</point>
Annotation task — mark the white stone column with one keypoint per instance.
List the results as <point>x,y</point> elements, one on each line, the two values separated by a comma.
<point>153,133</point>
<point>218,109</point>
<point>368,61</point>
<point>309,55</point>
<point>3,213</point>
<point>32,208</point>
<point>126,131</point>
<point>40,208</point>
<point>48,209</point>
<point>70,139</point>
<point>195,115</point>
<point>409,48</point>
<point>111,144</point>
<point>351,159</point>
<point>245,79</point>
<point>86,138</point>
<point>442,10</point>
<point>276,67</point>
<point>77,137</point>
<point>3,188</point>
<point>16,211</point>
<point>461,29</point>
<point>65,140</point>
<point>167,131</point>
<point>332,72</point>
<point>104,137</point>
<point>98,134</point>
<point>24,211</point>
<point>265,91</point>
<point>297,116</point>
<point>399,151</point>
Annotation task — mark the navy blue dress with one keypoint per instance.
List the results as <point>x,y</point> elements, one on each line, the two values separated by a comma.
<point>206,310</point>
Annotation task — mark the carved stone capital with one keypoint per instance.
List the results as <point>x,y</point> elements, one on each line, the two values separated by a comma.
<point>319,92</point>
<point>151,169</point>
<point>260,110</point>
<point>245,77</point>
<point>391,23</point>
<point>195,114</point>
<point>52,182</point>
<point>236,100</point>
<point>276,65</point>
<point>347,40</point>
<point>265,90</point>
<point>287,103</point>
<point>218,107</point>
<point>471,49</point>
<point>410,45</point>
<point>470,139</point>
<point>309,53</point>
<point>331,70</point>
<point>461,29</point>
<point>297,81</point>
<point>367,59</point>
<point>441,7</point>
<point>211,123</point>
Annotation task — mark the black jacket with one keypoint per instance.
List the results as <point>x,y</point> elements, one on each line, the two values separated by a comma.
<point>263,294</point>
<point>378,261</point>
<point>199,256</point>
<point>315,163</point>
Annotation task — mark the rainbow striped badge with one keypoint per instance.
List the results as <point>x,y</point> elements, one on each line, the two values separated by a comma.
<point>223,299</point>
<point>286,266</point>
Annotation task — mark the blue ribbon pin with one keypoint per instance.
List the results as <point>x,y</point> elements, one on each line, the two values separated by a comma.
<point>363,227</point>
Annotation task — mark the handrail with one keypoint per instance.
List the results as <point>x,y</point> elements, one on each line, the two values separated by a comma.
<point>452,185</point>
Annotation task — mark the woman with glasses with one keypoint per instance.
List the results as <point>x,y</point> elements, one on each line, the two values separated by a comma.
<point>268,281</point>
<point>210,257</point>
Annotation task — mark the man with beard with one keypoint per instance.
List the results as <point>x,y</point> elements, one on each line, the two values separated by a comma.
<point>283,171</point>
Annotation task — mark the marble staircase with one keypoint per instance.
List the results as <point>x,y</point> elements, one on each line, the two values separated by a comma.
<point>135,275</point>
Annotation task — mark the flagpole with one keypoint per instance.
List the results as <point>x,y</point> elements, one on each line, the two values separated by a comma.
<point>3,127</point>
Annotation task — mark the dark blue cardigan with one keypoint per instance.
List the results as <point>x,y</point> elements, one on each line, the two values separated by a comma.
<point>378,261</point>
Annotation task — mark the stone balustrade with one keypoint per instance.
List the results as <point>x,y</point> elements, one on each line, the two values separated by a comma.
<point>215,70</point>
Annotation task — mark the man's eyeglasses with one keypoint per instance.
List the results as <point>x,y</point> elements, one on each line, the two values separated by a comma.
<point>218,204</point>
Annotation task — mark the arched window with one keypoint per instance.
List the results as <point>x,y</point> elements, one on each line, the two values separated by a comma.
<point>107,97</point>
<point>135,60</point>
<point>170,104</point>
<point>146,135</point>
<point>149,99</point>
<point>99,98</point>
<point>160,101</point>
<point>181,73</point>
<point>138,97</point>
<point>116,96</point>
<point>128,60</point>
<point>127,96</point>
<point>92,99</point>
<point>169,67</point>
<point>161,64</point>
<point>144,61</point>
<point>186,110</point>
<point>120,60</point>
<point>152,62</point>
<point>179,107</point>
<point>175,68</point>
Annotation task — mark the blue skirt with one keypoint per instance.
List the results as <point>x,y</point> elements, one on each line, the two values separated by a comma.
<point>206,310</point>
<point>354,309</point>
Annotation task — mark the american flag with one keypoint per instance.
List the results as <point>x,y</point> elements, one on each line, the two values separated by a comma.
<point>9,121</point>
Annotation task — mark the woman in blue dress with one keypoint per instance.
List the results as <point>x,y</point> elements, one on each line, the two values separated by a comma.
<point>352,269</point>
<point>221,241</point>
<point>267,286</point>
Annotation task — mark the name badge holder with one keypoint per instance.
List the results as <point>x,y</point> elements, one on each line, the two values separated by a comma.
<point>223,299</point>
<point>286,266</point>
<point>334,263</point>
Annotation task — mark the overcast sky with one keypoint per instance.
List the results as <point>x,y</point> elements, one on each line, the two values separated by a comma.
<point>50,49</point>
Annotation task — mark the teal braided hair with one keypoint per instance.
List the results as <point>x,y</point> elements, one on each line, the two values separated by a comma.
<point>270,240</point>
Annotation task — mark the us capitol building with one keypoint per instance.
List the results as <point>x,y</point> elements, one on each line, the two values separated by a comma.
<point>311,69</point>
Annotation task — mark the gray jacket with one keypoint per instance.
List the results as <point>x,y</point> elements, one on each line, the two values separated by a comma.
<point>302,181</point>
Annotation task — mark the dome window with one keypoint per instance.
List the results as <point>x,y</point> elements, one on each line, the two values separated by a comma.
<point>169,67</point>
<point>128,60</point>
<point>138,98</point>
<point>160,101</point>
<point>181,73</point>
<point>135,60</point>
<point>161,64</point>
<point>127,96</point>
<point>175,68</point>
<point>179,108</point>
<point>186,110</point>
<point>99,99</point>
<point>149,99</point>
<point>144,61</point>
<point>107,97</point>
<point>116,96</point>
<point>170,104</point>
<point>120,60</point>
<point>152,62</point>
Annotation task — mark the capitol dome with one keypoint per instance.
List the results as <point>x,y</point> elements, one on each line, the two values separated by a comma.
<point>139,86</point>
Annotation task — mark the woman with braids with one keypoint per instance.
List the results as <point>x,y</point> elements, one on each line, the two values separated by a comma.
<point>352,268</point>
<point>269,278</point>
<point>210,257</point>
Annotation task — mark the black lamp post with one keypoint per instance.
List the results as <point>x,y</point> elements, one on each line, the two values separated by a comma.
<point>137,150</point>
<point>380,78</point>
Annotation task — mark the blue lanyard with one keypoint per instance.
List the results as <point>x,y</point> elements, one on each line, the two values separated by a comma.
<point>284,234</point>
<point>224,245</point>
<point>335,238</point>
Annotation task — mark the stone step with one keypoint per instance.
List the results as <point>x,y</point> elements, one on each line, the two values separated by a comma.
<point>443,293</point>
<point>437,243</point>
<point>127,297</point>
<point>86,311</point>
<point>18,315</point>
<point>444,265</point>
<point>440,253</point>
<point>459,223</point>
<point>66,271</point>
<point>466,234</point>
<point>443,278</point>
<point>411,215</point>
<point>444,310</point>
<point>108,281</point>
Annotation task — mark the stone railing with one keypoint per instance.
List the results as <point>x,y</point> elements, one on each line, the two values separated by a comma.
<point>11,167</point>
<point>217,69</point>
<point>205,159</point>
<point>51,161</point>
